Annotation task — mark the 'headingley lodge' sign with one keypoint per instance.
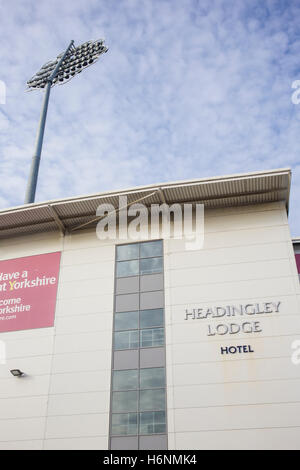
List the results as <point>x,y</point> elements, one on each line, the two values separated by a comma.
<point>252,325</point>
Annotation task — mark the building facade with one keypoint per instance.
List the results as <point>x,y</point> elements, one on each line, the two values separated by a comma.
<point>146,344</point>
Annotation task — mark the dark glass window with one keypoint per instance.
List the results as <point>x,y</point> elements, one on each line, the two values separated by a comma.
<point>125,379</point>
<point>151,318</point>
<point>152,422</point>
<point>126,321</point>
<point>152,399</point>
<point>124,424</point>
<point>127,268</point>
<point>151,265</point>
<point>124,401</point>
<point>127,252</point>
<point>151,249</point>
<point>126,340</point>
<point>152,337</point>
<point>152,378</point>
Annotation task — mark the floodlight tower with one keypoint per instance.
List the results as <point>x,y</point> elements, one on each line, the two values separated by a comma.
<point>59,71</point>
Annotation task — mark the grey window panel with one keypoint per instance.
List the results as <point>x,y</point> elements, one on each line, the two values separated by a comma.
<point>124,443</point>
<point>149,300</point>
<point>151,265</point>
<point>127,268</point>
<point>126,252</point>
<point>151,318</point>
<point>152,422</point>
<point>128,379</point>
<point>127,285</point>
<point>151,282</point>
<point>127,320</point>
<point>127,302</point>
<point>152,378</point>
<point>153,442</point>
<point>151,249</point>
<point>152,357</point>
<point>152,399</point>
<point>150,338</point>
<point>126,359</point>
<point>130,340</point>
<point>128,401</point>
<point>123,424</point>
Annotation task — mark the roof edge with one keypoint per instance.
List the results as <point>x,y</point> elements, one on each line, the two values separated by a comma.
<point>157,186</point>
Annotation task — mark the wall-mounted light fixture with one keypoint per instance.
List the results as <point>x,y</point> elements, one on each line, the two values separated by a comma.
<point>16,372</point>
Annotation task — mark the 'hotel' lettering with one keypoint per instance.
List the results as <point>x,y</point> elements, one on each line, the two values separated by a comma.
<point>237,349</point>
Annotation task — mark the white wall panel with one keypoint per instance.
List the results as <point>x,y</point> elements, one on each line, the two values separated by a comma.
<point>78,403</point>
<point>80,381</point>
<point>238,417</point>
<point>23,407</point>
<point>22,445</point>
<point>80,305</point>
<point>77,426</point>
<point>253,439</point>
<point>22,429</point>
<point>32,366</point>
<point>68,343</point>
<point>81,361</point>
<point>98,254</point>
<point>25,386</point>
<point>83,323</point>
<point>235,393</point>
<point>235,371</point>
<point>79,443</point>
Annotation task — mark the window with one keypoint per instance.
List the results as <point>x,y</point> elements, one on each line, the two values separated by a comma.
<point>125,379</point>
<point>152,399</point>
<point>152,422</point>
<point>138,399</point>
<point>124,401</point>
<point>127,268</point>
<point>152,337</point>
<point>151,249</point>
<point>151,265</point>
<point>124,424</point>
<point>152,378</point>
<point>150,318</point>
<point>126,252</point>
<point>126,340</point>
<point>126,321</point>
<point>135,259</point>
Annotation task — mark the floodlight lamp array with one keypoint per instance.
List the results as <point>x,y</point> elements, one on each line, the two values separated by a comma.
<point>77,59</point>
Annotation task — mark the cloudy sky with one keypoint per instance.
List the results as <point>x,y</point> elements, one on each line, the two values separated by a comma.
<point>188,89</point>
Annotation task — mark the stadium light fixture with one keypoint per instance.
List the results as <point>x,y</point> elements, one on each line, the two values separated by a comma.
<point>59,71</point>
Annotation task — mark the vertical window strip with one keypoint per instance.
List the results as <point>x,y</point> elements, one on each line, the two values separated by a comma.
<point>155,264</point>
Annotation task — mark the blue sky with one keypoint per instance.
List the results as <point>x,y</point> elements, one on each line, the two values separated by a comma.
<point>188,89</point>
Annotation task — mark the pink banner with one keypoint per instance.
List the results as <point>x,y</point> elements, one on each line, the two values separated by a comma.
<point>28,288</point>
<point>298,262</point>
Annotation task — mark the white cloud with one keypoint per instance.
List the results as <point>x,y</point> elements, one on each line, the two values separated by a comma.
<point>188,89</point>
